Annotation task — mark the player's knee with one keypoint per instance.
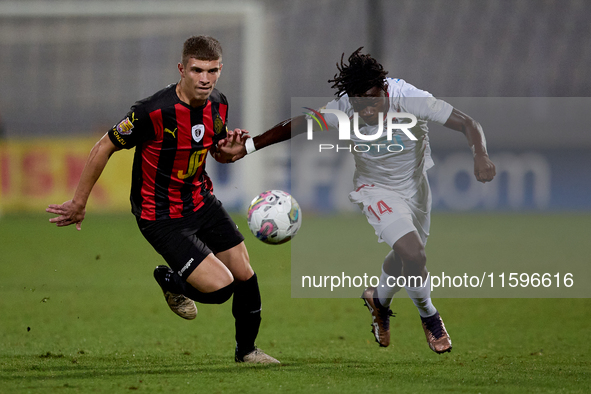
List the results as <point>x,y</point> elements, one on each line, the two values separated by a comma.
<point>241,268</point>
<point>238,262</point>
<point>244,273</point>
<point>420,258</point>
<point>415,257</point>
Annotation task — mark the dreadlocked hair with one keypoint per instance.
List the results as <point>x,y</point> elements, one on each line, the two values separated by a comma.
<point>361,74</point>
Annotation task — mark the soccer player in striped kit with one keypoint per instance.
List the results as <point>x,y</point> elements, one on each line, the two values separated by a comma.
<point>171,195</point>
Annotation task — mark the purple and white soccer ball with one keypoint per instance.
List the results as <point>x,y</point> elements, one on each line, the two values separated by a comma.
<point>274,217</point>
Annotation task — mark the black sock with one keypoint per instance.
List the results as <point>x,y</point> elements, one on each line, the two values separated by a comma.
<point>246,308</point>
<point>176,284</point>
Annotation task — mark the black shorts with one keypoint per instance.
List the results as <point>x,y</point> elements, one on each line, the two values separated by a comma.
<point>185,242</point>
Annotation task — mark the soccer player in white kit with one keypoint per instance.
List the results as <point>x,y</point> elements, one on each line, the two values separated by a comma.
<point>391,187</point>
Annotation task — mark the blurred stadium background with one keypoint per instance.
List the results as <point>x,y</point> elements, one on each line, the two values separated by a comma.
<point>80,310</point>
<point>70,70</point>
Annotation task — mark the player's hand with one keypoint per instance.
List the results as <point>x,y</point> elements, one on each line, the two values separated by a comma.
<point>232,147</point>
<point>484,169</point>
<point>69,212</point>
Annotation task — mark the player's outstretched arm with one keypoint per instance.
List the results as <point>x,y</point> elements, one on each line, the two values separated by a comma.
<point>282,131</point>
<point>230,147</point>
<point>278,133</point>
<point>484,169</point>
<point>73,211</point>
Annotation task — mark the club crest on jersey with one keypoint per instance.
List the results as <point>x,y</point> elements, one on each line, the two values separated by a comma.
<point>125,126</point>
<point>198,132</point>
<point>218,125</point>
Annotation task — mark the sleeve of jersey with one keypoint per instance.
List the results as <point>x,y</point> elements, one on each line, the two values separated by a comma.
<point>134,129</point>
<point>220,127</point>
<point>424,106</point>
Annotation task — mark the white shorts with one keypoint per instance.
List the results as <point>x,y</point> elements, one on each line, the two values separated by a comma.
<point>393,216</point>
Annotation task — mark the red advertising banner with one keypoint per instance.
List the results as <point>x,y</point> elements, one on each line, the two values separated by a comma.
<point>36,173</point>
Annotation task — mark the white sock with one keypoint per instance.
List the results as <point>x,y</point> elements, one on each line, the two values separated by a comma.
<point>421,296</point>
<point>387,288</point>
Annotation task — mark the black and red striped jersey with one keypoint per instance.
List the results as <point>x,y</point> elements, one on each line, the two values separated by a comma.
<point>171,140</point>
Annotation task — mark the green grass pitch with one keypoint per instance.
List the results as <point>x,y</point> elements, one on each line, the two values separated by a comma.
<point>81,313</point>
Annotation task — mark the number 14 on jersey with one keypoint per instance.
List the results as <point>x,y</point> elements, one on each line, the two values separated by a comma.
<point>381,208</point>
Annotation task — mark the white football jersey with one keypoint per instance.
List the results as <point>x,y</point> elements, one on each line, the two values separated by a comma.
<point>396,171</point>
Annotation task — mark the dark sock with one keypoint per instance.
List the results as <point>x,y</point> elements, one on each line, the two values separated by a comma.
<point>246,308</point>
<point>175,284</point>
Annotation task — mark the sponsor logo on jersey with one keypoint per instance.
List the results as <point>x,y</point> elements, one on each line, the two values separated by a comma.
<point>195,161</point>
<point>119,138</point>
<point>172,132</point>
<point>218,125</point>
<point>125,127</point>
<point>198,132</point>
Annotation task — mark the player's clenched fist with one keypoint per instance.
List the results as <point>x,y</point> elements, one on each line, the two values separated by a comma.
<point>484,168</point>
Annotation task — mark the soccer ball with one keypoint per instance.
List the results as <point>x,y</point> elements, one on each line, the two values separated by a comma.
<point>274,217</point>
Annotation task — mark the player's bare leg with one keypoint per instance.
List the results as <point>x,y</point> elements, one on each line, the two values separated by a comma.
<point>412,252</point>
<point>210,275</point>
<point>237,261</point>
<point>246,306</point>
